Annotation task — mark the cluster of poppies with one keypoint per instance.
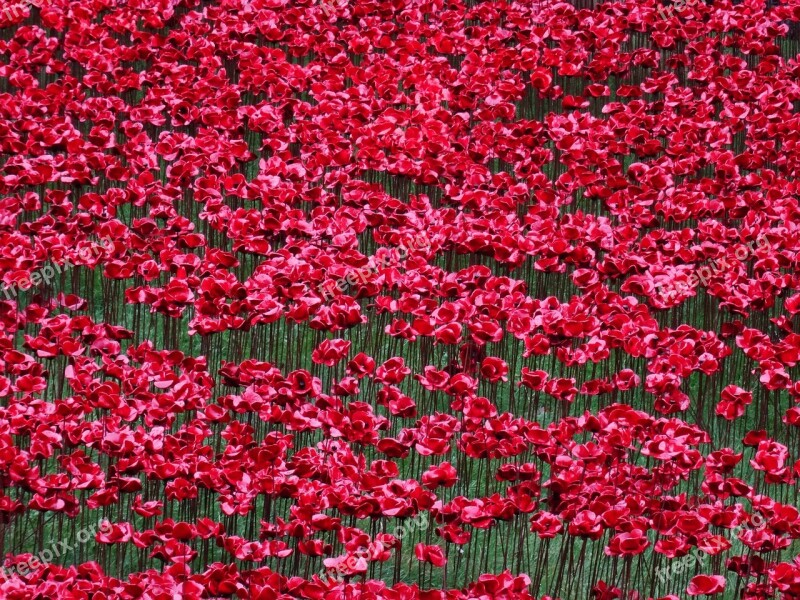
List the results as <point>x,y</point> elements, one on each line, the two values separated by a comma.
<point>366,299</point>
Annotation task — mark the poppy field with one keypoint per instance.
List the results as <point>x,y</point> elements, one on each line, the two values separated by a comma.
<point>399,299</point>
